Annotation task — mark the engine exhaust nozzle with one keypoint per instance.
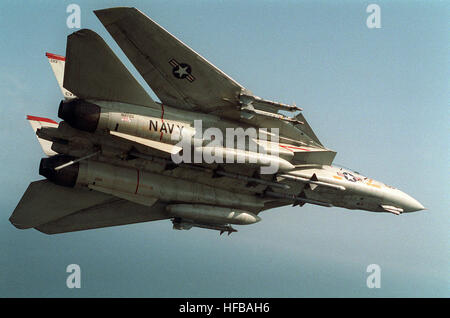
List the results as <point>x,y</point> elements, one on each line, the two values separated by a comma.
<point>80,114</point>
<point>66,177</point>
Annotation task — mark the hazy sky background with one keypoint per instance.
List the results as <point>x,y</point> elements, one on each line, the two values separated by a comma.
<point>379,97</point>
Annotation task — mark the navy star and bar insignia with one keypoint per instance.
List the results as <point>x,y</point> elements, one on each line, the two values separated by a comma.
<point>182,70</point>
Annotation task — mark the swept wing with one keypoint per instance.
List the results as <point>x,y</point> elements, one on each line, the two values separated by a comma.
<point>63,209</point>
<point>177,74</point>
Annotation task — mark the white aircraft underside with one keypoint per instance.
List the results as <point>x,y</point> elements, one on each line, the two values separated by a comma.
<point>110,161</point>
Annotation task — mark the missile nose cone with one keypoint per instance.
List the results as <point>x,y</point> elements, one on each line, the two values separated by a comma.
<point>248,218</point>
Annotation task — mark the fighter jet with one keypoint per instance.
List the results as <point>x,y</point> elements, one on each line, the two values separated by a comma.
<point>118,157</point>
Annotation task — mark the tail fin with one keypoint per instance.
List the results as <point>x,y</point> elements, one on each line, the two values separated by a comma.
<point>39,122</point>
<point>93,71</point>
<point>57,63</point>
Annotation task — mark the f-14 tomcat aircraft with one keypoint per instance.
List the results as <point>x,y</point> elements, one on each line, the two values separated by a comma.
<point>110,161</point>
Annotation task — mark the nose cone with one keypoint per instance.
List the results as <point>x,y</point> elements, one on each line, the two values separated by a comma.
<point>412,205</point>
<point>406,202</point>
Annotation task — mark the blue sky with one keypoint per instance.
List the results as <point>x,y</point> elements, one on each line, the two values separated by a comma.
<point>379,97</point>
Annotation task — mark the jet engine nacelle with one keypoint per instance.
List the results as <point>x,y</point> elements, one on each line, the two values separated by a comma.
<point>140,186</point>
<point>86,116</point>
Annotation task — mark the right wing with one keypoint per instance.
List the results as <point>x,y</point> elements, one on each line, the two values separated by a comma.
<point>180,77</point>
<point>177,74</point>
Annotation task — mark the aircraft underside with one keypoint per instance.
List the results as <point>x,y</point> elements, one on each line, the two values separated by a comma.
<point>118,157</point>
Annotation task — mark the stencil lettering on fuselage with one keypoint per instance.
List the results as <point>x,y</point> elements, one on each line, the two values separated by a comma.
<point>164,127</point>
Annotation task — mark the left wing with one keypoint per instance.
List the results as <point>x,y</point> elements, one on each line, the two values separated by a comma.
<point>63,209</point>
<point>177,74</point>
<point>116,213</point>
<point>52,202</point>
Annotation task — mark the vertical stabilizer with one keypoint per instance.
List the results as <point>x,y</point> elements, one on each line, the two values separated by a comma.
<point>93,71</point>
<point>39,122</point>
<point>57,62</point>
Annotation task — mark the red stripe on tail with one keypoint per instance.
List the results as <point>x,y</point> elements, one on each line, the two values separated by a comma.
<point>54,56</point>
<point>47,120</point>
